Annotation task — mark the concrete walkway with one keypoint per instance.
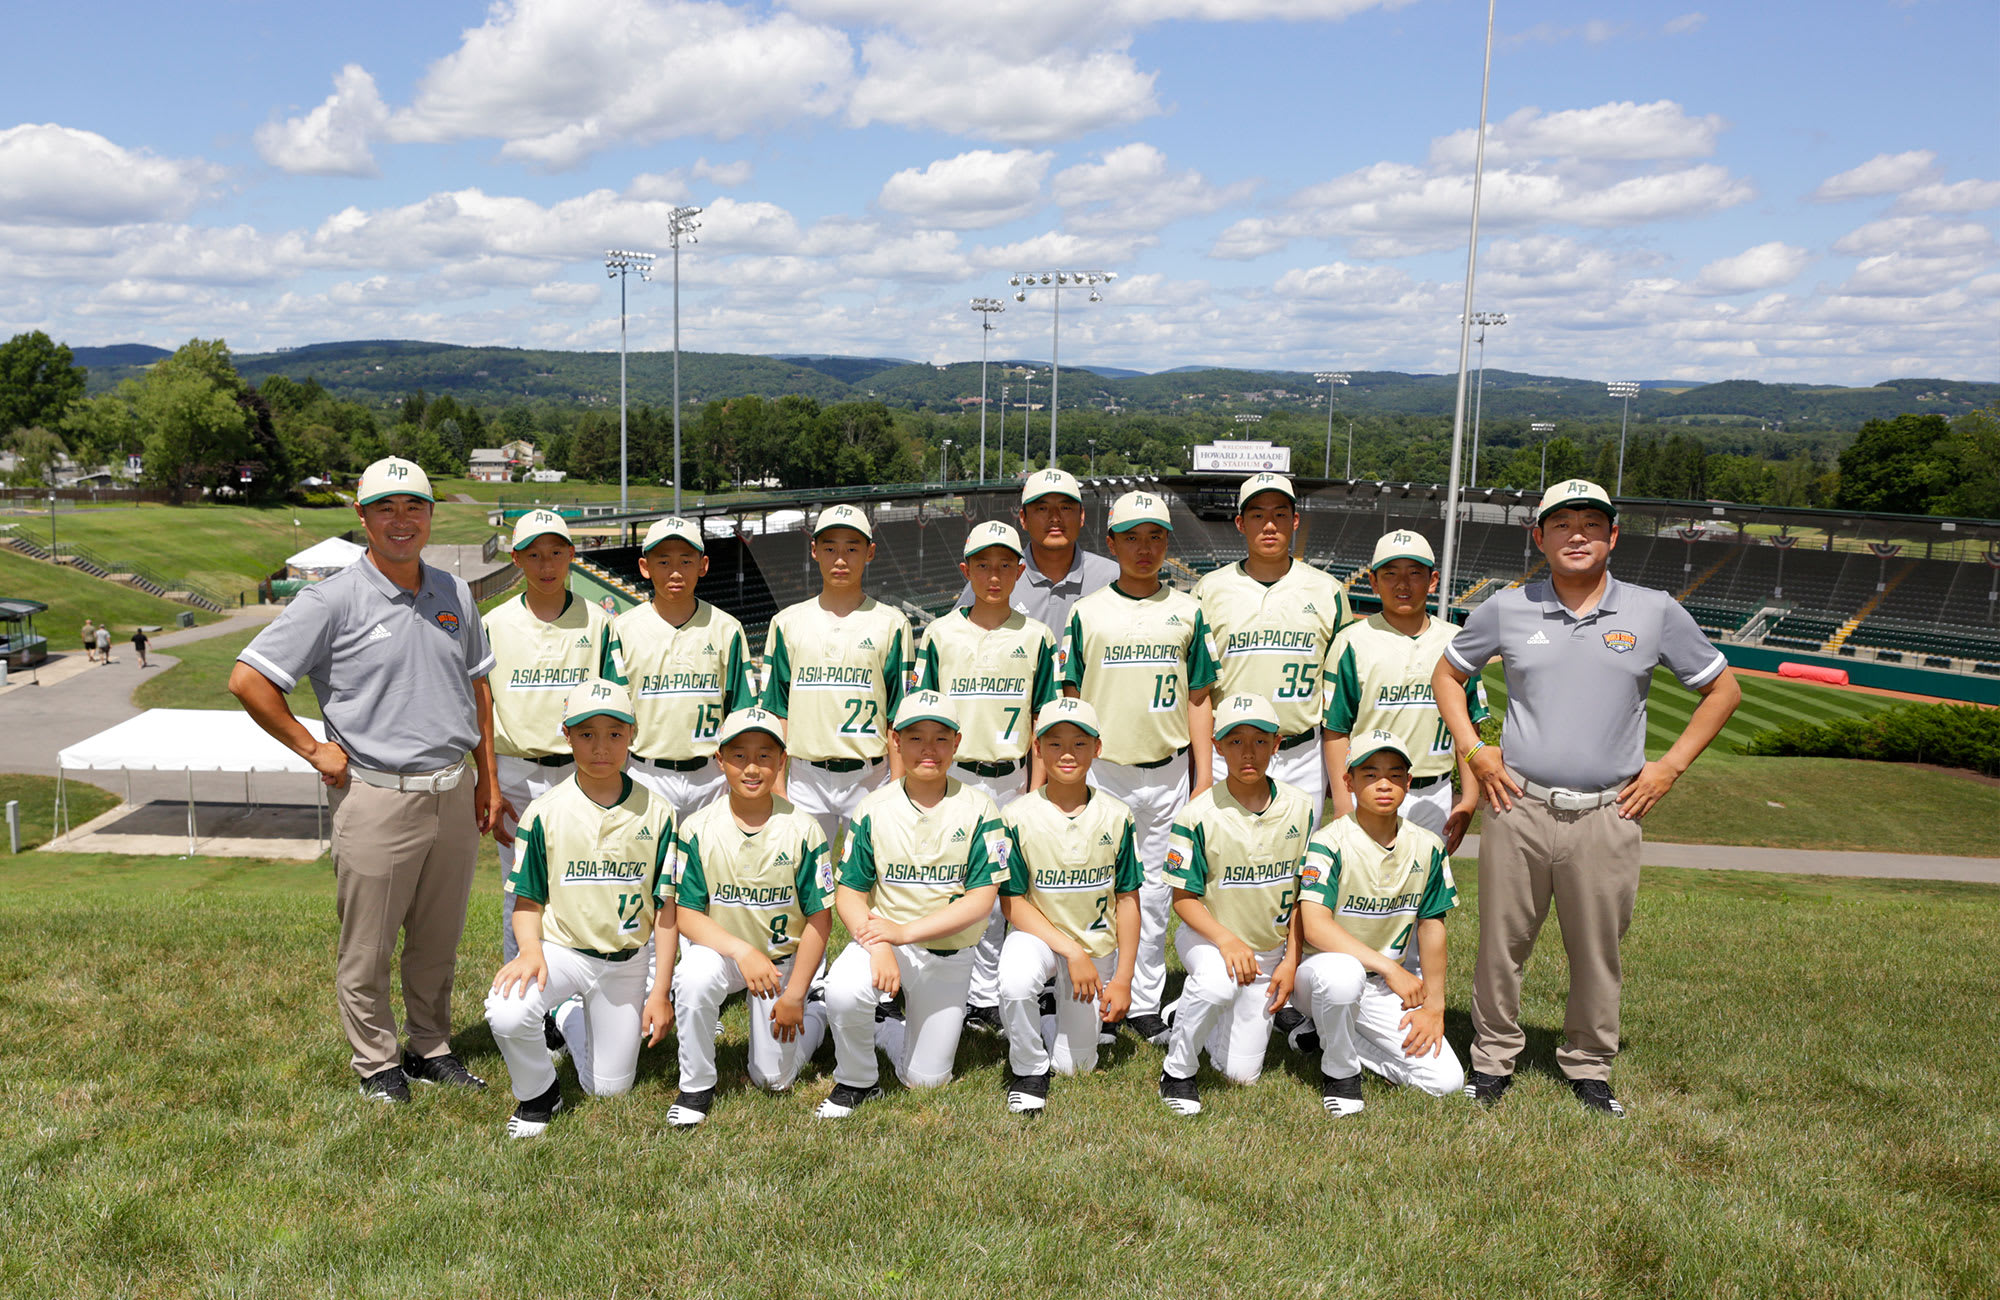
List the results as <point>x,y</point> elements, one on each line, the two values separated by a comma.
<point>1806,862</point>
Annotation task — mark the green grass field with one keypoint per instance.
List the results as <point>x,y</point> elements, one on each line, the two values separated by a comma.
<point>37,797</point>
<point>1805,1120</point>
<point>72,597</point>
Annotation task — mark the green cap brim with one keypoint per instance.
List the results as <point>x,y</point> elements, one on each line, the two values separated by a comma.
<point>1270,728</point>
<point>1046,727</point>
<point>1356,760</point>
<point>531,538</point>
<point>399,492</point>
<point>907,723</point>
<point>1052,492</point>
<point>587,715</point>
<point>752,730</point>
<point>1403,555</point>
<point>1588,503</point>
<point>1130,524</point>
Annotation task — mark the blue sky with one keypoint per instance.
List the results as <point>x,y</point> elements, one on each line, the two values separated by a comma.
<point>1671,192</point>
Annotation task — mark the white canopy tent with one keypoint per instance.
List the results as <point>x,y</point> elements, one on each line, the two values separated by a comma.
<point>325,558</point>
<point>185,740</point>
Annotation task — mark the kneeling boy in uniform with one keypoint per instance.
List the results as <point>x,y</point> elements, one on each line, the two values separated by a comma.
<point>1371,879</point>
<point>1073,898</point>
<point>1234,868</point>
<point>755,900</point>
<point>919,872</point>
<point>593,884</point>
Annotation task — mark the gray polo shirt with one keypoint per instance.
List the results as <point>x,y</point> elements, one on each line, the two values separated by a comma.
<point>1576,687</point>
<point>1049,602</point>
<point>393,671</point>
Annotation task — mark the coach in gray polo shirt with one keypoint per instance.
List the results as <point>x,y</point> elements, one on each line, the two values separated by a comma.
<point>397,657</point>
<point>1059,572</point>
<point>1566,798</point>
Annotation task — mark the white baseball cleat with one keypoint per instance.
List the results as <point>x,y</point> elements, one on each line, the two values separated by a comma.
<point>1181,1095</point>
<point>844,1101</point>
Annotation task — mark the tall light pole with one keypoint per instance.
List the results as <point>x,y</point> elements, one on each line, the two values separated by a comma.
<point>1004,388</point>
<point>1482,319</point>
<point>1093,458</point>
<point>618,263</point>
<point>1027,418</point>
<point>1250,419</point>
<point>985,307</point>
<point>944,463</point>
<point>1334,379</point>
<point>1057,279</point>
<point>1544,428</point>
<point>1626,390</point>
<point>681,225</point>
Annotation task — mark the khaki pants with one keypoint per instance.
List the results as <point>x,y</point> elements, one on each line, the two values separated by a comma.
<point>1588,863</point>
<point>402,863</point>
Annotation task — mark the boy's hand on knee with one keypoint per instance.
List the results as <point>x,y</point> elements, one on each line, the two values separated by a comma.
<point>1115,1000</point>
<point>1084,981</point>
<point>1283,980</point>
<point>1405,986</point>
<point>788,1015</point>
<point>527,968</point>
<point>882,965</point>
<point>760,976</point>
<point>658,1015</point>
<point>1241,961</point>
<point>1423,1030</point>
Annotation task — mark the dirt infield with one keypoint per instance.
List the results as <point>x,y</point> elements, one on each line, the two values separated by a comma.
<point>1864,690</point>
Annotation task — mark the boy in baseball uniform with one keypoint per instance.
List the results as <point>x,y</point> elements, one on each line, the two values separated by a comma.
<point>1141,654</point>
<point>997,666</point>
<point>1234,869</point>
<point>755,905</point>
<point>836,668</point>
<point>1073,902</point>
<point>689,666</point>
<point>593,887</point>
<point>1273,618</point>
<point>1378,678</point>
<point>1374,886</point>
<point>545,644</point>
<point>918,876</point>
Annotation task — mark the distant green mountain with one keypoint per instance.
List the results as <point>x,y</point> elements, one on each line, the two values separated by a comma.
<point>118,354</point>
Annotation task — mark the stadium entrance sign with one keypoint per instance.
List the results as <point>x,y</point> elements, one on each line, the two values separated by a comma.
<point>1244,457</point>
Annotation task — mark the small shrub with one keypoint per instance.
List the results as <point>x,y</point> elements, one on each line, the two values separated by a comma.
<point>1951,735</point>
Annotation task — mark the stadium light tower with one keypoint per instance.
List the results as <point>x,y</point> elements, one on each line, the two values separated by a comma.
<point>1481,319</point>
<point>1250,419</point>
<point>1004,389</point>
<point>1056,280</point>
<point>619,263</point>
<point>1544,428</point>
<point>1334,379</point>
<point>944,464</point>
<point>986,307</point>
<point>1626,390</point>
<point>681,225</point>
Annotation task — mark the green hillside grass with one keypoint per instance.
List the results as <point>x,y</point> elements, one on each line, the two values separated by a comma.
<point>37,797</point>
<point>72,597</point>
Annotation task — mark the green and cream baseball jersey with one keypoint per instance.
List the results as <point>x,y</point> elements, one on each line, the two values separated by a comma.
<point>685,680</point>
<point>536,663</point>
<point>998,681</point>
<point>837,681</point>
<point>1377,677</point>
<point>1136,659</point>
<point>1073,868</point>
<point>758,885</point>
<point>1243,865</point>
<point>1378,895</point>
<point>599,872</point>
<point>913,862</point>
<point>1272,640</point>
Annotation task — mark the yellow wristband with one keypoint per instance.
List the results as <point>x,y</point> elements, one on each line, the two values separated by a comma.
<point>1477,746</point>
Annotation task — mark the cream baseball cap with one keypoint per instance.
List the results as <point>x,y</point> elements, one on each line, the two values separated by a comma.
<point>1402,545</point>
<point>926,706</point>
<point>1576,492</point>
<point>671,528</point>
<point>1135,508</point>
<point>539,523</point>
<point>1071,709</point>
<point>844,517</point>
<point>595,697</point>
<point>1266,482</point>
<point>1374,743</point>
<point>393,476</point>
<point>1245,710</point>
<point>1044,481</point>
<point>991,533</point>
<point>751,719</point>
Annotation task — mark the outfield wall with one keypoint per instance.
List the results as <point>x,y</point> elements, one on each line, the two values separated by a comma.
<point>1885,677</point>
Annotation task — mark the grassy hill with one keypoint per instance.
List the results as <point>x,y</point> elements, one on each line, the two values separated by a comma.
<point>73,597</point>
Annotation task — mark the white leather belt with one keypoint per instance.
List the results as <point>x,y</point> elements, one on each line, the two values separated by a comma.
<point>445,778</point>
<point>1568,800</point>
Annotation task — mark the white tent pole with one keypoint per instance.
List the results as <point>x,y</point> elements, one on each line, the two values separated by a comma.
<point>190,777</point>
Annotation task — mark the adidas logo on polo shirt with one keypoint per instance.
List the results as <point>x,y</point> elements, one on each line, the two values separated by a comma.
<point>1173,620</point>
<point>645,833</point>
<point>379,634</point>
<point>583,642</point>
<point>784,857</point>
<point>1291,832</point>
<point>867,643</point>
<point>1104,837</point>
<point>1020,652</point>
<point>1539,638</point>
<point>1311,608</point>
<point>958,836</point>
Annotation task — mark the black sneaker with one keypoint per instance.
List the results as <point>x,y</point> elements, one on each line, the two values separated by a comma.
<point>844,1101</point>
<point>1341,1097</point>
<point>1181,1095</point>
<point>390,1085</point>
<point>533,1115</point>
<point>441,1069</point>
<point>1045,1005</point>
<point>1488,1088</point>
<point>1287,1020</point>
<point>690,1108</point>
<point>1305,1040</point>
<point>553,1038</point>
<point>984,1019</point>
<point>890,1010</point>
<point>1596,1094</point>
<point>1153,1028</point>
<point>1027,1093</point>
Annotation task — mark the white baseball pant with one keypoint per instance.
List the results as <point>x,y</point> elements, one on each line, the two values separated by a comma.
<point>1303,765</point>
<point>703,978</point>
<point>1359,1022</point>
<point>924,1045</point>
<point>1219,1014</point>
<point>1154,794</point>
<point>1003,790</point>
<point>522,781</point>
<point>830,798</point>
<point>1065,1042</point>
<point>685,792</point>
<point>605,1053</point>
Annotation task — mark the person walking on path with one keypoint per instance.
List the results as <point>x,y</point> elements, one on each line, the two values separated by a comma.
<point>139,644</point>
<point>104,643</point>
<point>90,640</point>
<point>398,658</point>
<point>1566,798</point>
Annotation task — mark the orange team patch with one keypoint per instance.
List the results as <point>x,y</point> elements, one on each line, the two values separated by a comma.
<point>448,621</point>
<point>1619,640</point>
<point>1309,873</point>
<point>1174,860</point>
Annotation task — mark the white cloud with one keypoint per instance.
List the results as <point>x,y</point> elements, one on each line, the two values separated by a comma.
<point>1754,270</point>
<point>1919,235</point>
<point>1684,24</point>
<point>558,82</point>
<point>1961,196</point>
<point>729,175</point>
<point>58,175</point>
<point>971,191</point>
<point>1042,25</point>
<point>1885,173</point>
<point>1130,189</point>
<point>1615,132</point>
<point>921,255</point>
<point>335,139</point>
<point>974,90</point>
<point>566,293</point>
